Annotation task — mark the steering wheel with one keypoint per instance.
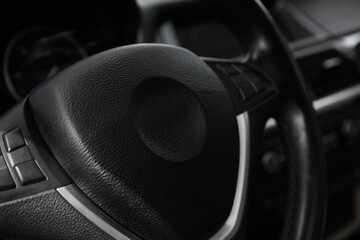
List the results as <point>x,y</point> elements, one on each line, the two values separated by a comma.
<point>150,141</point>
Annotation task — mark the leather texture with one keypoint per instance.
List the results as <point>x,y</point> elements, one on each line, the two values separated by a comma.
<point>149,134</point>
<point>45,216</point>
<point>267,49</point>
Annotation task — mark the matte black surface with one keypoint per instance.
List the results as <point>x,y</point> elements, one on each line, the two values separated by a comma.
<point>46,216</point>
<point>14,140</point>
<point>19,156</point>
<point>6,181</point>
<point>147,132</point>
<point>29,172</point>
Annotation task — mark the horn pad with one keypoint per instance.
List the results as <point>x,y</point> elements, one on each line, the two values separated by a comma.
<point>169,119</point>
<point>149,134</point>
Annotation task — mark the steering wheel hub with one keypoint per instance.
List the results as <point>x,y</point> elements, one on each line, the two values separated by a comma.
<point>169,119</point>
<point>145,124</point>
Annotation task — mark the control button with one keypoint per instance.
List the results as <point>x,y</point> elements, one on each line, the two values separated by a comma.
<point>14,140</point>
<point>350,128</point>
<point>6,181</point>
<point>272,162</point>
<point>245,88</point>
<point>228,69</point>
<point>19,156</point>
<point>256,81</point>
<point>28,173</point>
<point>243,69</point>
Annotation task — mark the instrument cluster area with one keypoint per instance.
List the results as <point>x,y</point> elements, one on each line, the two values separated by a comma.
<point>39,39</point>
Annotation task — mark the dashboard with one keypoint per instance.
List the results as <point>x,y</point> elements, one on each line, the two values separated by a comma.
<point>324,36</point>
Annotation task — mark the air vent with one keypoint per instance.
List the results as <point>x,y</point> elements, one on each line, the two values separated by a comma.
<point>328,72</point>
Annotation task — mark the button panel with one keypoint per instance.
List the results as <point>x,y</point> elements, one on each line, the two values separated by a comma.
<point>21,160</point>
<point>256,81</point>
<point>247,81</point>
<point>14,140</point>
<point>227,69</point>
<point>246,84</point>
<point>6,181</point>
<point>20,119</point>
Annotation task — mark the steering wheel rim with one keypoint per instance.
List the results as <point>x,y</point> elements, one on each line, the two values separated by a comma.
<point>255,29</point>
<point>305,214</point>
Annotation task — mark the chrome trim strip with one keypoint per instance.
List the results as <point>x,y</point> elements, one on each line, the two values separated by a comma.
<point>76,199</point>
<point>330,102</point>
<point>337,100</point>
<point>233,222</point>
<point>90,211</point>
<point>160,3</point>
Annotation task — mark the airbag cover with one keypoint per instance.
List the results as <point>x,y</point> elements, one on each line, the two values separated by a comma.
<point>149,134</point>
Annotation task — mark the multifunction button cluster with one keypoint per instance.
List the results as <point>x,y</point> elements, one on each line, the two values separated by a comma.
<point>247,82</point>
<point>20,159</point>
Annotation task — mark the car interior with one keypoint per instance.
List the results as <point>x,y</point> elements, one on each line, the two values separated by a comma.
<point>180,119</point>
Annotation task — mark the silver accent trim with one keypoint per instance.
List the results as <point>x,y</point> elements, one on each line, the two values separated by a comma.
<point>159,3</point>
<point>330,102</point>
<point>90,211</point>
<point>74,197</point>
<point>233,222</point>
<point>337,100</point>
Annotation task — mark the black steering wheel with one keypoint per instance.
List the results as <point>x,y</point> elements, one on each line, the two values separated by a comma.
<point>150,141</point>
